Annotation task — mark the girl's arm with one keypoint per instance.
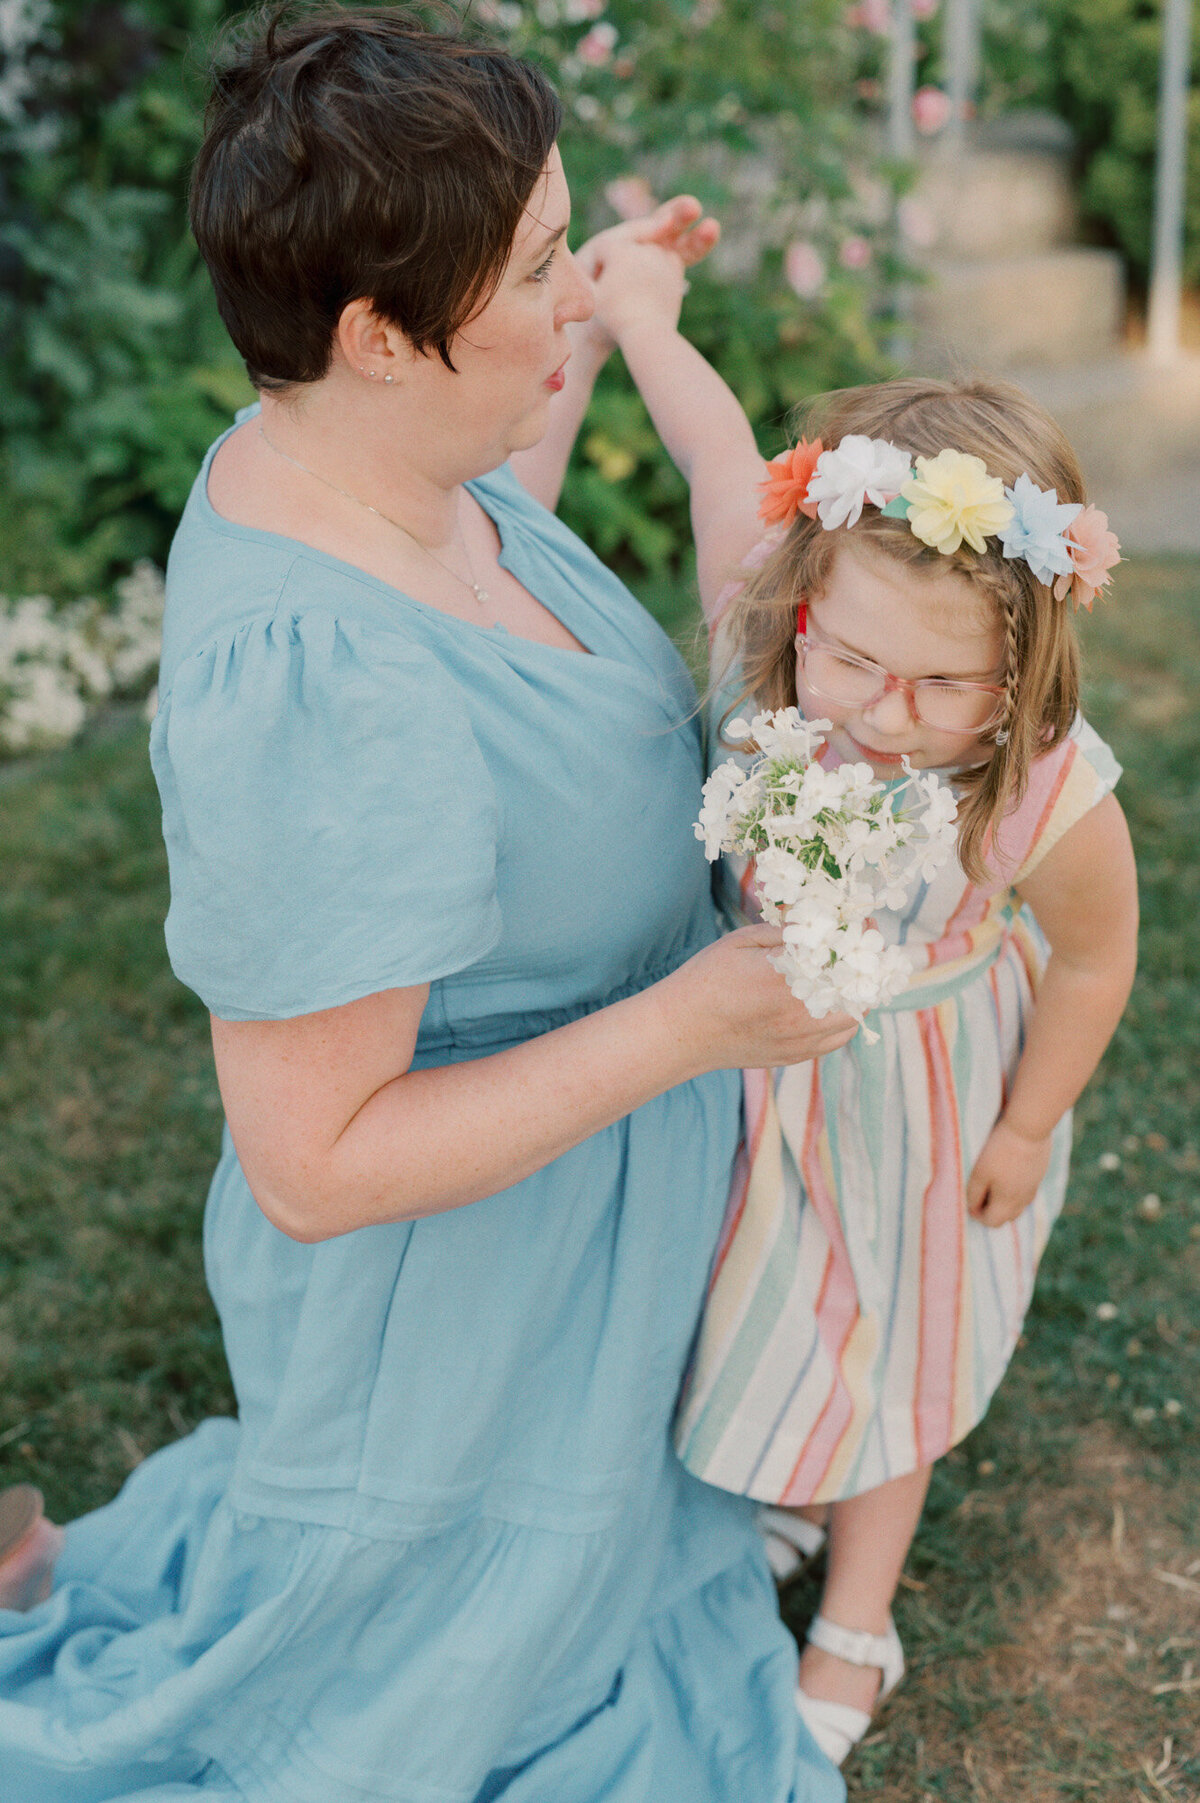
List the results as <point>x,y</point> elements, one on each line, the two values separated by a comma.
<point>697,416</point>
<point>1084,894</point>
<point>334,1131</point>
<point>679,226</point>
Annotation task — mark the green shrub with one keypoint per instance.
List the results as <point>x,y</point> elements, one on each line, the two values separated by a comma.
<point>1096,64</point>
<point>1107,69</point>
<point>115,372</point>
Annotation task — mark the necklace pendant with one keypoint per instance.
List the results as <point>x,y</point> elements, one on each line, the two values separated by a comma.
<point>481,595</point>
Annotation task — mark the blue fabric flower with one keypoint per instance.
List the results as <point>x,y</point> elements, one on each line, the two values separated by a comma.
<point>1036,529</point>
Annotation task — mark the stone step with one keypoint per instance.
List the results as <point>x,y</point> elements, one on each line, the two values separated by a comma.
<point>1053,307</point>
<point>998,203</point>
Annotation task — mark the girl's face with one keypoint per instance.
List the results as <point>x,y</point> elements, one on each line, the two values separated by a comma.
<point>913,623</point>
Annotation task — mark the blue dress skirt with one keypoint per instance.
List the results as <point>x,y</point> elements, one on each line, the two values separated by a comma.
<point>446,1553</point>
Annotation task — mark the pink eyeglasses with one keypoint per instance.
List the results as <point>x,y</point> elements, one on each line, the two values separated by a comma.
<point>852,681</point>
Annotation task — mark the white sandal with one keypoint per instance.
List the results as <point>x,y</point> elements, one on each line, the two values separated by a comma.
<point>791,1542</point>
<point>837,1727</point>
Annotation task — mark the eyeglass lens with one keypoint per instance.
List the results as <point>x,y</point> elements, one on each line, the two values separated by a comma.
<point>950,706</point>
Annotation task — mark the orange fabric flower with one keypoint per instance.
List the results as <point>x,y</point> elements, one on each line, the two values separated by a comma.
<point>1094,551</point>
<point>786,485</point>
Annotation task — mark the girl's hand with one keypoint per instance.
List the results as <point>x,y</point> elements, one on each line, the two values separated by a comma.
<point>679,225</point>
<point>729,1008</point>
<point>640,284</point>
<point>1007,1175</point>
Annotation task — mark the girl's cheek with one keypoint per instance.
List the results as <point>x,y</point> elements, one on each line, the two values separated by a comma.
<point>816,707</point>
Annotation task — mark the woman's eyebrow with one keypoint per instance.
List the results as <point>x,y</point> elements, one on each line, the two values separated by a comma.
<point>538,256</point>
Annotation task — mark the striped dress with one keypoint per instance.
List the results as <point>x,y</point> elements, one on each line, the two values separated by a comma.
<point>858,1319</point>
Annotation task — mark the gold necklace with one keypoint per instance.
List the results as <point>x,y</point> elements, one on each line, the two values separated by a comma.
<point>481,595</point>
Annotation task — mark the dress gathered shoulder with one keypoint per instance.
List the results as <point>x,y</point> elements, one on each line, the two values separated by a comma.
<point>858,1319</point>
<point>446,1552</point>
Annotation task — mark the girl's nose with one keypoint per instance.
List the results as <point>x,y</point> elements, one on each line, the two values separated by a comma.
<point>892,712</point>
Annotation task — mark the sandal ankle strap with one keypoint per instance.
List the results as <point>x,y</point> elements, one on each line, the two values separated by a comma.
<point>854,1645</point>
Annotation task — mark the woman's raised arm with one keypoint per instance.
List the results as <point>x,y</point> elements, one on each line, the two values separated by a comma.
<point>334,1131</point>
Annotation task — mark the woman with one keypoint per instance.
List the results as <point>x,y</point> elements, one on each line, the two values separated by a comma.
<point>428,777</point>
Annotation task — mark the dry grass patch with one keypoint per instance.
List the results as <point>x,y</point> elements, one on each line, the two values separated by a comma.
<point>1091,1689</point>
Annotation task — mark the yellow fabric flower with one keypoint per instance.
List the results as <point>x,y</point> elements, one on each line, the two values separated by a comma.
<point>952,498</point>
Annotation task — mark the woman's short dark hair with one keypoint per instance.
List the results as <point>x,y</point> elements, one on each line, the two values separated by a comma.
<point>355,153</point>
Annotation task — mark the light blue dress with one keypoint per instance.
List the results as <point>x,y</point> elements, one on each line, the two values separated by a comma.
<point>446,1554</point>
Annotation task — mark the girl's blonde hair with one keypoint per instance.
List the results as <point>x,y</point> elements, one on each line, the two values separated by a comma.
<point>1011,433</point>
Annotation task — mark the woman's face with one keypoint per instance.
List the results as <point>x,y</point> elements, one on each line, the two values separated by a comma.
<point>511,356</point>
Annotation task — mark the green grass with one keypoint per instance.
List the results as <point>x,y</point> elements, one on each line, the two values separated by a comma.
<point>109,1345</point>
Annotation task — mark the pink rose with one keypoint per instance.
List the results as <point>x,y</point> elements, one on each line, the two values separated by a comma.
<point>596,46</point>
<point>931,110</point>
<point>854,253</point>
<point>630,197</point>
<point>917,224</point>
<point>804,268</point>
<point>871,15</point>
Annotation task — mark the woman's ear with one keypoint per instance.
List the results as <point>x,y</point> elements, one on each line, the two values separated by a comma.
<point>370,347</point>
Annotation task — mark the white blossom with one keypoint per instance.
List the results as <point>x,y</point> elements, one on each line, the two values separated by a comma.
<point>55,662</point>
<point>831,848</point>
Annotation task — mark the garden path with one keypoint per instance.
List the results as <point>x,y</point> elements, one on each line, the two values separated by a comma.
<point>1012,291</point>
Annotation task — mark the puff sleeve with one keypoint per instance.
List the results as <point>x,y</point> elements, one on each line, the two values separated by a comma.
<point>1063,786</point>
<point>330,822</point>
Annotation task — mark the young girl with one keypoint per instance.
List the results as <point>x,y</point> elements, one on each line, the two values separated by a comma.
<point>914,587</point>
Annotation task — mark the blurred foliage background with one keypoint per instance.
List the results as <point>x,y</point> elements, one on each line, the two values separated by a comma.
<point>115,372</point>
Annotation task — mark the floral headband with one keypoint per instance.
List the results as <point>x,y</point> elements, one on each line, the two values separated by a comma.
<point>950,500</point>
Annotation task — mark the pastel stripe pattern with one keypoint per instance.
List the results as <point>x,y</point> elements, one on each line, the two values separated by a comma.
<point>858,1320</point>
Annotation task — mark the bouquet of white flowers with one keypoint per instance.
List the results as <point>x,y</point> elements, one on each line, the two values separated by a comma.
<point>830,848</point>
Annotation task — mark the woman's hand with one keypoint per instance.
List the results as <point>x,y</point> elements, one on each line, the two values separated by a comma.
<point>728,1007</point>
<point>1007,1175</point>
<point>679,225</point>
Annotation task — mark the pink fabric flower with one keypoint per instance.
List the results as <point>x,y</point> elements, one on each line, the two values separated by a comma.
<point>931,110</point>
<point>855,252</point>
<point>630,197</point>
<point>1094,552</point>
<point>804,268</point>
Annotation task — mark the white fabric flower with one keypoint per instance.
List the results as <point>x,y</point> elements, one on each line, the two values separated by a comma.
<point>860,469</point>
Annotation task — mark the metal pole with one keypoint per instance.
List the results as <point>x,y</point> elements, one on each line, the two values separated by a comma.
<point>962,57</point>
<point>901,81</point>
<point>1166,280</point>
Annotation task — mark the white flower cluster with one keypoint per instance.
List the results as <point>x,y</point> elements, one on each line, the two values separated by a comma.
<point>830,849</point>
<point>56,663</point>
